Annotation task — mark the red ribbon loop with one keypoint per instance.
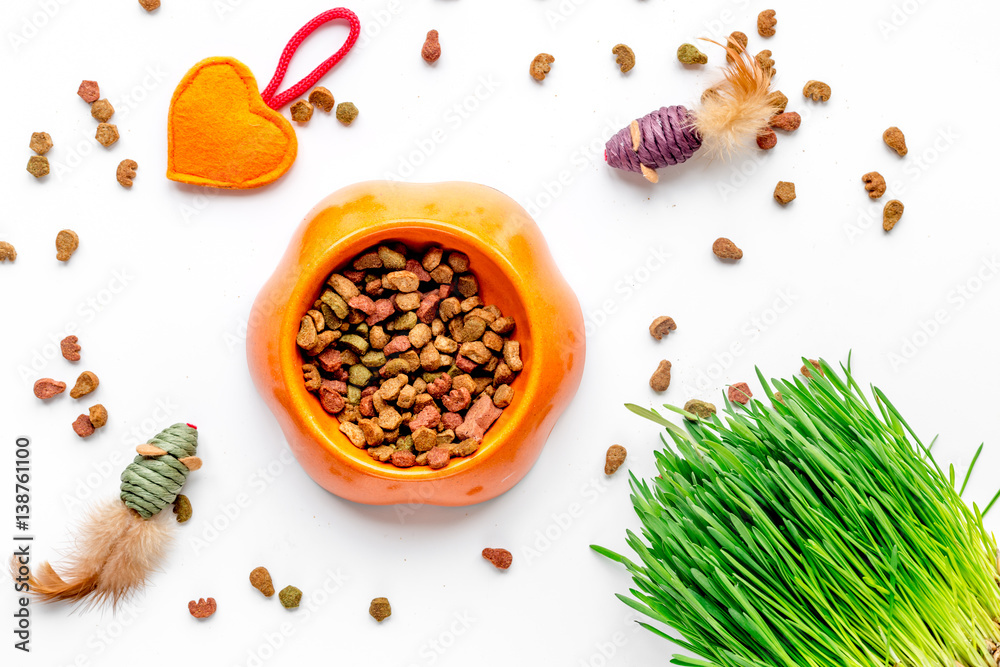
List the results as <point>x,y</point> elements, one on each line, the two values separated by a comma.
<point>277,101</point>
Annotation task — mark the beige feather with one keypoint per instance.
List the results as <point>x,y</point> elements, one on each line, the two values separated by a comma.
<point>114,553</point>
<point>737,109</point>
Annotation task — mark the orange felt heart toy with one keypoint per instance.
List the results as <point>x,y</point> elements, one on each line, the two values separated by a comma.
<point>222,132</point>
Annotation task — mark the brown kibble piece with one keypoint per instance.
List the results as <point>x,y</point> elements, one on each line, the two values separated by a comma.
<point>690,55</point>
<point>7,252</point>
<point>85,384</point>
<point>891,214</point>
<point>662,326</point>
<point>894,139</point>
<point>787,122</point>
<point>614,459</point>
<point>767,139</point>
<point>660,379</point>
<point>501,558</point>
<point>126,172</point>
<point>766,62</point>
<point>182,508</point>
<point>98,415</point>
<point>202,608</point>
<point>726,249</point>
<point>703,409</point>
<point>322,99</point>
<point>766,23</point>
<point>38,166</point>
<point>150,5</point>
<point>70,347</point>
<point>40,142</point>
<point>540,66</point>
<point>89,91</point>
<point>102,111</point>
<point>107,134</point>
<point>778,100</point>
<point>874,184</point>
<point>380,609</point>
<point>82,426</point>
<point>438,457</point>
<point>260,579</point>
<point>346,112</point>
<point>739,393</point>
<point>47,388</point>
<point>737,41</point>
<point>784,192</point>
<point>66,244</point>
<point>624,56</point>
<point>817,91</point>
<point>815,364</point>
<point>431,49</point>
<point>302,111</point>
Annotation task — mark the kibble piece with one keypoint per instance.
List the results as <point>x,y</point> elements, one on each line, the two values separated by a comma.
<point>322,99</point>
<point>98,415</point>
<point>766,62</point>
<point>82,426</point>
<point>47,388</point>
<point>150,5</point>
<point>202,608</point>
<point>817,91</point>
<point>7,252</point>
<point>66,244</point>
<point>89,91</point>
<point>737,41</point>
<point>501,558</point>
<point>126,172</point>
<point>784,192</point>
<point>85,384</point>
<point>816,365</point>
<point>38,166</point>
<point>40,142</point>
<point>346,112</point>
<point>614,459</point>
<point>874,184</point>
<point>107,134</point>
<point>624,56</point>
<point>438,457</point>
<point>891,214</point>
<point>739,393</point>
<point>290,597</point>
<point>767,139</point>
<point>726,249</point>
<point>662,326</point>
<point>431,49</point>
<point>766,23</point>
<point>540,66</point>
<point>302,111</point>
<point>660,379</point>
<point>787,122</point>
<point>380,609</point>
<point>702,409</point>
<point>260,579</point>
<point>102,111</point>
<point>894,139</point>
<point>503,395</point>
<point>690,55</point>
<point>182,508</point>
<point>778,100</point>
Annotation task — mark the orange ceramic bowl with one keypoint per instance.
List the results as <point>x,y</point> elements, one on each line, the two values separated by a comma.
<point>516,272</point>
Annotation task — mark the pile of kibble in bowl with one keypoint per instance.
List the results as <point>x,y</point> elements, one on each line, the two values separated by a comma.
<point>408,357</point>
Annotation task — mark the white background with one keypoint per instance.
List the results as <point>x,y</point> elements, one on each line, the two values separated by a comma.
<point>160,290</point>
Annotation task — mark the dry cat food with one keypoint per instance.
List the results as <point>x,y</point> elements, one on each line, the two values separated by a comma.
<point>346,112</point>
<point>726,249</point>
<point>83,426</point>
<point>874,184</point>
<point>662,326</point>
<point>98,415</point>
<point>766,23</point>
<point>102,111</point>
<point>784,192</point>
<point>47,388</point>
<point>126,172</point>
<point>815,364</point>
<point>431,49</point>
<point>182,508</point>
<point>40,142</point>
<point>817,91</point>
<point>702,409</point>
<point>739,393</point>
<point>70,348</point>
<point>894,139</point>
<point>260,579</point>
<point>380,609</point>
<point>7,252</point>
<point>85,384</point>
<point>625,57</point>
<point>778,100</point>
<point>38,166</point>
<point>737,41</point>
<point>766,62</point>
<point>891,214</point>
<point>406,354</point>
<point>767,139</point>
<point>302,111</point>
<point>202,608</point>
<point>690,55</point>
<point>540,66</point>
<point>66,244</point>
<point>660,380</point>
<point>89,91</point>
<point>787,122</point>
<point>322,99</point>
<point>107,134</point>
<point>150,5</point>
<point>501,558</point>
<point>614,459</point>
<point>290,597</point>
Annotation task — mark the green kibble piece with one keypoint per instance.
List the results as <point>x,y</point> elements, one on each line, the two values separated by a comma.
<point>373,359</point>
<point>690,55</point>
<point>395,367</point>
<point>353,394</point>
<point>358,375</point>
<point>429,378</point>
<point>346,113</point>
<point>182,508</point>
<point>336,303</point>
<point>331,319</point>
<point>702,409</point>
<point>391,260</point>
<point>290,597</point>
<point>454,371</point>
<point>405,443</point>
<point>354,343</point>
<point>404,322</point>
<point>362,330</point>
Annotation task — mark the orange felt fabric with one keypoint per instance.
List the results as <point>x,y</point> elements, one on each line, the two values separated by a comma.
<point>221,134</point>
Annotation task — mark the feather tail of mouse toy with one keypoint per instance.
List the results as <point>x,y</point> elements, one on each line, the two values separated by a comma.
<point>122,542</point>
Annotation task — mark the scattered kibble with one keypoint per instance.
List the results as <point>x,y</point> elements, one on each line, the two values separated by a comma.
<point>98,415</point>
<point>737,41</point>
<point>784,192</point>
<point>624,56</point>
<point>874,184</point>
<point>540,66</point>
<point>431,49</point>
<point>83,427</point>
<point>690,55</point>
<point>260,579</point>
<point>817,91</point>
<point>739,393</point>
<point>766,62</point>
<point>102,111</point>
<point>38,166</point>
<point>66,244</point>
<point>891,214</point>
<point>701,409</point>
<point>346,112</point>
<point>786,122</point>
<point>894,139</point>
<point>40,142</point>
<point>290,597</point>
<point>107,134</point>
<point>89,91</point>
<point>614,459</point>
<point>182,508</point>
<point>766,23</point>
<point>70,348</point>
<point>662,326</point>
<point>7,252</point>
<point>660,379</point>
<point>85,384</point>
<point>47,388</point>
<point>501,558</point>
<point>126,172</point>
<point>302,111</point>
<point>380,609</point>
<point>322,99</point>
<point>767,139</point>
<point>815,364</point>
<point>150,5</point>
<point>202,608</point>
<point>726,249</point>
<point>778,100</point>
